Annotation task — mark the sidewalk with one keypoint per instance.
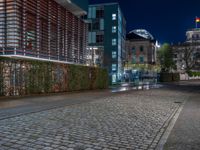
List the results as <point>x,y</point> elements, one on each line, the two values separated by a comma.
<point>186,133</point>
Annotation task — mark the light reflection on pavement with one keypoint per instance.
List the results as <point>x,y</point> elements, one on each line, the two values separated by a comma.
<point>140,86</point>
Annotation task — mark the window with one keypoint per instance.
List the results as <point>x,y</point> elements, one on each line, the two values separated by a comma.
<point>89,26</point>
<point>114,67</point>
<point>100,13</point>
<point>92,37</point>
<point>114,17</point>
<point>193,37</point>
<point>141,59</point>
<point>96,25</point>
<point>114,42</point>
<point>133,50</point>
<point>89,37</point>
<point>197,37</point>
<point>101,24</point>
<point>114,54</point>
<point>114,29</point>
<point>99,38</point>
<point>141,48</point>
<point>92,12</point>
<point>134,60</point>
<point>114,78</point>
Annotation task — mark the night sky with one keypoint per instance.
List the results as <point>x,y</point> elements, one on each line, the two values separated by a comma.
<point>166,20</point>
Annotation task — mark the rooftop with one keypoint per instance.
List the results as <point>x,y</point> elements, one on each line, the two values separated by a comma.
<point>193,29</point>
<point>72,7</point>
<point>140,34</point>
<point>100,4</point>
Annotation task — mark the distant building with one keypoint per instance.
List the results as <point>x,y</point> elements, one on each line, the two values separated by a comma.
<point>193,35</point>
<point>107,32</point>
<point>140,47</point>
<point>187,54</point>
<point>44,30</point>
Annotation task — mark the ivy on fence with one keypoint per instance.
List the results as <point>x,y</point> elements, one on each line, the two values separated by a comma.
<point>25,77</point>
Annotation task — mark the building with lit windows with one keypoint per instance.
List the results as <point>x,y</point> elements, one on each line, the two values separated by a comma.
<point>44,30</point>
<point>187,54</point>
<point>193,35</point>
<point>107,31</point>
<point>140,47</point>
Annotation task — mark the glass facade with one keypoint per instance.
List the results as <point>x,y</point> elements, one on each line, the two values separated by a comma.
<point>108,23</point>
<point>41,29</point>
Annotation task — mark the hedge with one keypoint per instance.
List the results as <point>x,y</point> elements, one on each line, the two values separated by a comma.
<point>193,74</point>
<point>169,77</point>
<point>25,77</point>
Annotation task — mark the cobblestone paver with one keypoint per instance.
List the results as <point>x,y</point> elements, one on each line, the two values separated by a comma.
<point>130,121</point>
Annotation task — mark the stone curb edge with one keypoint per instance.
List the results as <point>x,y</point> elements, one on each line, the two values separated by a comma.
<point>168,126</point>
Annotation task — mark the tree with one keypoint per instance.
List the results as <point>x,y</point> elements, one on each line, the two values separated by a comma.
<point>165,56</point>
<point>188,55</point>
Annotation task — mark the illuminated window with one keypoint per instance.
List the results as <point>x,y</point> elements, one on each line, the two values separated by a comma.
<point>114,42</point>
<point>114,17</point>
<point>114,29</point>
<point>114,78</point>
<point>114,67</point>
<point>141,59</point>
<point>114,54</point>
<point>134,60</point>
<point>133,50</point>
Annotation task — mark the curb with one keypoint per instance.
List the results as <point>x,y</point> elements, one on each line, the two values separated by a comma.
<point>169,126</point>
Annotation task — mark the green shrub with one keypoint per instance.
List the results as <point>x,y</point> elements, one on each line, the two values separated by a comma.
<point>193,74</point>
<point>190,73</point>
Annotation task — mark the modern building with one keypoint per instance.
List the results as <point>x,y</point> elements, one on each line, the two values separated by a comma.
<point>44,29</point>
<point>140,47</point>
<point>187,54</point>
<point>107,32</point>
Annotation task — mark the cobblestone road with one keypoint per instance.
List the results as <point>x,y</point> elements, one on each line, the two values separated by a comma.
<point>135,120</point>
